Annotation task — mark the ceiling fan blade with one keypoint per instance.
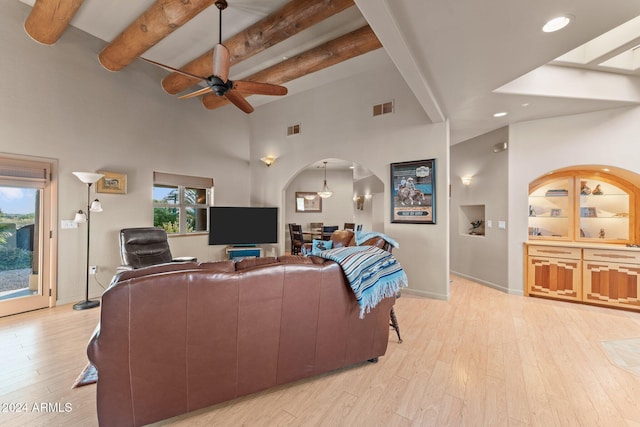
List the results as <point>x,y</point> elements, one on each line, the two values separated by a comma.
<point>257,88</point>
<point>238,100</point>
<point>221,62</point>
<point>175,70</point>
<point>196,93</point>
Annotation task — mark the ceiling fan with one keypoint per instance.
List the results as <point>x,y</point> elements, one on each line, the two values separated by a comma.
<point>219,83</point>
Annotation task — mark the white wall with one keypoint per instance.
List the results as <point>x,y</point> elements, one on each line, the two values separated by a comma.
<point>481,258</point>
<point>337,123</point>
<point>58,102</point>
<point>607,137</point>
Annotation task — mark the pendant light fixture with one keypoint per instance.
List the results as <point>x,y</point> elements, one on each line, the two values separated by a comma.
<point>325,193</point>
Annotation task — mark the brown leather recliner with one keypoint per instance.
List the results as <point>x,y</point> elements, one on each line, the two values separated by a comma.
<point>145,246</point>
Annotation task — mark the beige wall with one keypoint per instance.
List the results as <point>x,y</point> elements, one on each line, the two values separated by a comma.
<point>337,123</point>
<point>58,102</point>
<point>482,258</point>
<point>336,210</point>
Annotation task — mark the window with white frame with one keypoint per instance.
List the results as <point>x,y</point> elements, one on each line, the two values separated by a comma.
<point>181,203</point>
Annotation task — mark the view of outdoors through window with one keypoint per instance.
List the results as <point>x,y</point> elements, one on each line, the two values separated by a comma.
<point>180,209</point>
<point>18,208</point>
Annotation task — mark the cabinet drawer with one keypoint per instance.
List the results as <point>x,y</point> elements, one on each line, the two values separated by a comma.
<point>555,252</point>
<point>612,255</point>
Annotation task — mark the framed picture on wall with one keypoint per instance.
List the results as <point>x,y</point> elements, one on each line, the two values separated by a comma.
<point>308,202</point>
<point>112,182</point>
<point>413,199</point>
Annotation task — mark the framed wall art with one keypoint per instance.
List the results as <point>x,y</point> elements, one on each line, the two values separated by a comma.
<point>112,182</point>
<point>413,198</point>
<point>308,202</point>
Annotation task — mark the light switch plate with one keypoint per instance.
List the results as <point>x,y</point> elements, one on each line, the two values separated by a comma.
<point>502,225</point>
<point>68,223</point>
<point>489,223</point>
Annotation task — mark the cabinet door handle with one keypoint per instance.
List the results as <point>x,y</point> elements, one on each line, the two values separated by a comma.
<point>614,256</point>
<point>548,251</point>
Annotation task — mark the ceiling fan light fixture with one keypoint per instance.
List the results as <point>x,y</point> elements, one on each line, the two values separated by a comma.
<point>556,24</point>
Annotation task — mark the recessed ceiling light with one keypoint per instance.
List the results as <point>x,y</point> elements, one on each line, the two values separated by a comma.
<point>285,58</point>
<point>556,24</point>
<point>526,104</point>
<point>500,114</point>
<point>606,169</point>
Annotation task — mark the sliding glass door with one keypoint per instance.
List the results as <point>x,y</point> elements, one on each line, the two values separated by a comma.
<point>25,238</point>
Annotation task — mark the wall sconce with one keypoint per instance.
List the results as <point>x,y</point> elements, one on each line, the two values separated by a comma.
<point>466,180</point>
<point>268,160</point>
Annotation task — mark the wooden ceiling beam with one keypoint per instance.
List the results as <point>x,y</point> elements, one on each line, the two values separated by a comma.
<point>350,45</point>
<point>289,20</point>
<point>157,22</point>
<point>49,18</point>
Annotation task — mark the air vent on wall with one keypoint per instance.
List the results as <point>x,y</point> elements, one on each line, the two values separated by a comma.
<point>293,130</point>
<point>384,108</point>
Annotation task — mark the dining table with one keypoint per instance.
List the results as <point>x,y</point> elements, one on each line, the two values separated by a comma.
<point>311,234</point>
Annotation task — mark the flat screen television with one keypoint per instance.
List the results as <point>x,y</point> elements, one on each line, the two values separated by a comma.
<point>229,225</point>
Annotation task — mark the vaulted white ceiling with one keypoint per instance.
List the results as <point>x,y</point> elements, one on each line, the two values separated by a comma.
<point>463,59</point>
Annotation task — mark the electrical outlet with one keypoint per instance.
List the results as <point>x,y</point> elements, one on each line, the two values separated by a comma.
<point>93,269</point>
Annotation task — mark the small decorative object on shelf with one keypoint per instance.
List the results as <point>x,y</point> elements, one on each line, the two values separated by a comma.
<point>588,212</point>
<point>556,212</point>
<point>597,191</point>
<point>601,234</point>
<point>557,192</point>
<point>585,190</point>
<point>532,212</point>
<point>475,225</point>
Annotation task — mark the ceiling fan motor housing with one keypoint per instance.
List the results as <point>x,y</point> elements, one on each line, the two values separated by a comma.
<point>218,86</point>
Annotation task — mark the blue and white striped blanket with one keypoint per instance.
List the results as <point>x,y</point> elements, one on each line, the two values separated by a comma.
<point>373,273</point>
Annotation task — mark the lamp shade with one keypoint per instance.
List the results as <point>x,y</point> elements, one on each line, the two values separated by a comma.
<point>88,177</point>
<point>96,206</point>
<point>325,192</point>
<point>80,217</point>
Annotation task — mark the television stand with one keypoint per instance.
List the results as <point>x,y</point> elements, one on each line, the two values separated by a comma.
<point>240,252</point>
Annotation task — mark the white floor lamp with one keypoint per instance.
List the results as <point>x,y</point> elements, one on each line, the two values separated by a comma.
<point>88,178</point>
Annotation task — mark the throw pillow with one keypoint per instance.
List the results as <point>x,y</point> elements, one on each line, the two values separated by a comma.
<point>320,245</point>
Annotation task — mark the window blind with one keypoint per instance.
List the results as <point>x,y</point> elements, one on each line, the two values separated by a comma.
<point>163,178</point>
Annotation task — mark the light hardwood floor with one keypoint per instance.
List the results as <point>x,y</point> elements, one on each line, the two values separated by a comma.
<point>484,358</point>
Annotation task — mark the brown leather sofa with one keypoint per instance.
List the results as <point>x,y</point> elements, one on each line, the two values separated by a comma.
<point>341,238</point>
<point>182,336</point>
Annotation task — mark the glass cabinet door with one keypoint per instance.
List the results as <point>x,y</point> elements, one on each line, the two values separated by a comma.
<point>603,211</point>
<point>551,210</point>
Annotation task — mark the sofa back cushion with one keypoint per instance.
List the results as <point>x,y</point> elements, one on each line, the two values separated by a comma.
<point>246,263</point>
<point>341,238</point>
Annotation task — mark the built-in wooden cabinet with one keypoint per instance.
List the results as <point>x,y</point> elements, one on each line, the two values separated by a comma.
<point>582,206</point>
<point>597,275</point>
<point>555,272</point>
<point>582,239</point>
<point>611,277</point>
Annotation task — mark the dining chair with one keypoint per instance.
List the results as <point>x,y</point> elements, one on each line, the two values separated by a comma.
<point>295,233</point>
<point>349,226</point>
<point>327,231</point>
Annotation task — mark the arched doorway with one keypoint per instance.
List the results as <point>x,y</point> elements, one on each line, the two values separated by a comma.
<point>358,196</point>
